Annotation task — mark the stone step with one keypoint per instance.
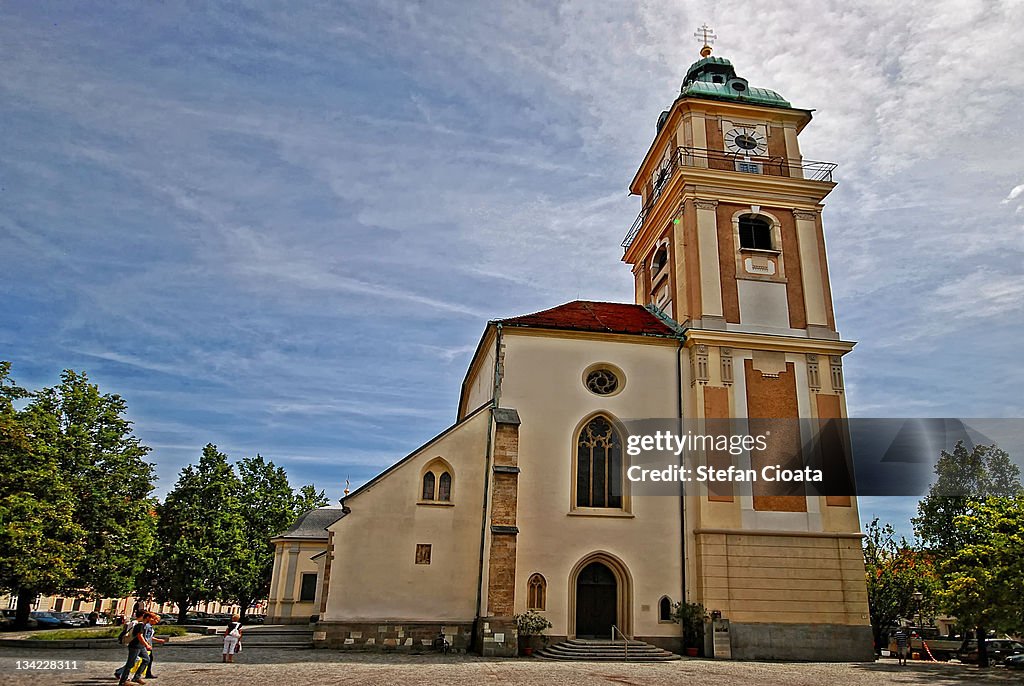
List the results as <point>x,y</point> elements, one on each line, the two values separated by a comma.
<point>604,653</point>
<point>597,650</point>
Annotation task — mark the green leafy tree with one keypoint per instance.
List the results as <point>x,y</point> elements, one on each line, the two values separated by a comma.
<point>201,536</point>
<point>268,506</point>
<point>894,572</point>
<point>308,498</point>
<point>964,479</point>
<point>985,577</point>
<point>75,489</point>
<point>40,542</point>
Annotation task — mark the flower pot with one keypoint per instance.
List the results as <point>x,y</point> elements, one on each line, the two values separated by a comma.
<point>691,652</point>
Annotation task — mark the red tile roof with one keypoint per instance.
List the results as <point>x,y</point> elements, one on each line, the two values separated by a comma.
<point>586,315</point>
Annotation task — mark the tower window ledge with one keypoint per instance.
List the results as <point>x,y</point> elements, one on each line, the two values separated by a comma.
<point>660,276</point>
<point>600,512</point>
<point>436,503</point>
<point>761,251</point>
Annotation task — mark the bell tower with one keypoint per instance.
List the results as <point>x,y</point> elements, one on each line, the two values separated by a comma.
<point>729,244</point>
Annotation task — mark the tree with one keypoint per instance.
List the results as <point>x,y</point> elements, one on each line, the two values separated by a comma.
<point>201,536</point>
<point>267,503</point>
<point>40,540</point>
<point>894,572</point>
<point>308,498</point>
<point>268,506</point>
<point>985,577</point>
<point>74,487</point>
<point>964,480</point>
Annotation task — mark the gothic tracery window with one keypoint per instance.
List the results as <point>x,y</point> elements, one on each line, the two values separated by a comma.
<point>599,465</point>
<point>436,483</point>
<point>444,487</point>
<point>602,382</point>
<point>537,592</point>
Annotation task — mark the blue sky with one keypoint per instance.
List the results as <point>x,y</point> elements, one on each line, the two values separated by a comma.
<point>281,227</point>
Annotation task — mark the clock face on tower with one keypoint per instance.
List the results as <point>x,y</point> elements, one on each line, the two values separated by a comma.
<point>745,140</point>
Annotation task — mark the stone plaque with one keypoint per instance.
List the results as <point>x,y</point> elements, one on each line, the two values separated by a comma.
<point>722,642</point>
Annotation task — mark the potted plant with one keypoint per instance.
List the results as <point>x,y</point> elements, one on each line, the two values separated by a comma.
<point>530,624</point>
<point>692,617</point>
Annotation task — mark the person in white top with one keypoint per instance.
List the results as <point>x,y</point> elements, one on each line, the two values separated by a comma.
<point>232,639</point>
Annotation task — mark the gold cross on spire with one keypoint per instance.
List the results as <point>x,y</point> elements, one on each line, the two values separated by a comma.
<point>706,35</point>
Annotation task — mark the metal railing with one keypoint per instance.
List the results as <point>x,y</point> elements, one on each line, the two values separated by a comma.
<point>702,158</point>
<point>625,642</point>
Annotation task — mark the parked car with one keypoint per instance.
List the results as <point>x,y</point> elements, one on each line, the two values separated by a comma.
<point>221,617</point>
<point>72,620</point>
<point>197,617</point>
<point>998,649</point>
<point>1014,662</point>
<point>46,620</point>
<point>168,617</point>
<point>10,615</point>
<point>255,619</point>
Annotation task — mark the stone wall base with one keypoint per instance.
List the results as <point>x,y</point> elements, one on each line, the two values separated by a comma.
<point>497,637</point>
<point>390,635</point>
<point>807,642</point>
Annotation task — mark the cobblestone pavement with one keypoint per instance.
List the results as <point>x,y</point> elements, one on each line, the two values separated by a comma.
<point>281,667</point>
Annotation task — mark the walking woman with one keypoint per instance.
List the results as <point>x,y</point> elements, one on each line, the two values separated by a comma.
<point>232,639</point>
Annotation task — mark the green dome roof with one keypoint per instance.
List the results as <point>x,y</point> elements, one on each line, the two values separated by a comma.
<point>715,78</point>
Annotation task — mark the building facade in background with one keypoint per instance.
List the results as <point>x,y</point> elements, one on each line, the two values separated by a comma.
<point>299,555</point>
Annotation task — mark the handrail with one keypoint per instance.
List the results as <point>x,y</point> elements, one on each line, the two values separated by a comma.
<point>721,160</point>
<point>625,642</point>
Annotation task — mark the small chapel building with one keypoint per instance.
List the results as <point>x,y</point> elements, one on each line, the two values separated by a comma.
<point>523,503</point>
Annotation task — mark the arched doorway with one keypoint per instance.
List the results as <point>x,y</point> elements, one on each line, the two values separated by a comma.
<point>597,600</point>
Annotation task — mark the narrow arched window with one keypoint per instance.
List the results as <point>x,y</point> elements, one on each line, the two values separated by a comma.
<point>755,233</point>
<point>659,261</point>
<point>537,593</point>
<point>599,465</point>
<point>665,609</point>
<point>428,486</point>
<point>444,487</point>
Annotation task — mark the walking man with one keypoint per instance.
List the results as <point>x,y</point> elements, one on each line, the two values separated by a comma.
<point>902,645</point>
<point>138,651</point>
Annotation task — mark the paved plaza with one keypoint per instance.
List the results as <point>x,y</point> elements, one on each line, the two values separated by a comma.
<point>193,666</point>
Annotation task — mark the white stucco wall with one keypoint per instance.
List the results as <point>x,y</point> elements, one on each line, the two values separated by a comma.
<point>544,381</point>
<point>373,575</point>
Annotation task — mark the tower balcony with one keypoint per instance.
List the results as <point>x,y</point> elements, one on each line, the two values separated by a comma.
<point>699,162</point>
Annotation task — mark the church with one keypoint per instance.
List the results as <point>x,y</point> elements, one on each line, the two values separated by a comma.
<point>523,503</point>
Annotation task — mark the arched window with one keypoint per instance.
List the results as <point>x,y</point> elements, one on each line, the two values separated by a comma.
<point>659,261</point>
<point>599,465</point>
<point>537,593</point>
<point>755,232</point>
<point>665,609</point>
<point>444,487</point>
<point>437,480</point>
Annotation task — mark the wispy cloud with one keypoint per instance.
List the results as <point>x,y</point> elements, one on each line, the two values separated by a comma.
<point>287,226</point>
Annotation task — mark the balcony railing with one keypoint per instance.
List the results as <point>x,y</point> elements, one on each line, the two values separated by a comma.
<point>726,161</point>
